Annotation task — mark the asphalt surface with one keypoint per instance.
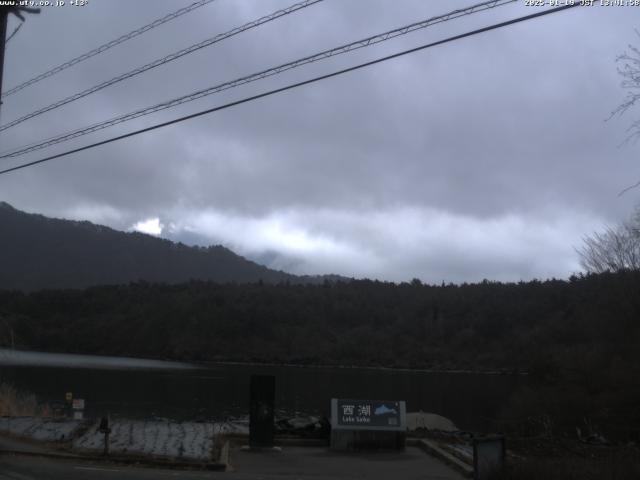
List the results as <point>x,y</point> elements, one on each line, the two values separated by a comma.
<point>38,462</point>
<point>293,463</point>
<point>18,467</point>
<point>319,464</point>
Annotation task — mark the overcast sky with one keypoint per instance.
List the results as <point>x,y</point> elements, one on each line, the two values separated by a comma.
<point>488,157</point>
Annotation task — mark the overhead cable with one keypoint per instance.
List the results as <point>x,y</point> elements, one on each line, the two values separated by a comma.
<point>162,61</point>
<point>107,46</point>
<point>292,86</point>
<point>15,30</point>
<point>366,42</point>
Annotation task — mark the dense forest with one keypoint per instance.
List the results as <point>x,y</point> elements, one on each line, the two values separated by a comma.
<point>38,252</point>
<point>488,325</point>
<point>579,336</point>
<point>577,339</point>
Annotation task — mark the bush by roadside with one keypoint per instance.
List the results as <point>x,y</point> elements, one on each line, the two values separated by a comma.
<point>620,464</point>
<point>15,403</point>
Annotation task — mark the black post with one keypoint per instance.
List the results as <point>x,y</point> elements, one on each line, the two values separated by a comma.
<point>489,454</point>
<point>4,17</point>
<point>261,411</point>
<point>68,405</point>
<point>106,430</point>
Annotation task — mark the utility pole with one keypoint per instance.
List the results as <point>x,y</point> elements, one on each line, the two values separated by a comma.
<point>4,18</point>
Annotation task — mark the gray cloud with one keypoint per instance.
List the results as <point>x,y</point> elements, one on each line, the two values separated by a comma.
<point>483,158</point>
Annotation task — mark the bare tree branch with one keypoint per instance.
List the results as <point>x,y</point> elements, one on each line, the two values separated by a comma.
<point>615,249</point>
<point>629,69</point>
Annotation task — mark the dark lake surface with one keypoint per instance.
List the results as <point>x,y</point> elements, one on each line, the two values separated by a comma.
<point>151,388</point>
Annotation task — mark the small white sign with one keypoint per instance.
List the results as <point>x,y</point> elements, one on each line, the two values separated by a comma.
<point>77,415</point>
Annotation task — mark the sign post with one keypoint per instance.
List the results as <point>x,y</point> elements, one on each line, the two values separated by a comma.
<point>368,424</point>
<point>78,408</point>
<point>105,429</point>
<point>68,398</point>
<point>261,411</point>
<point>488,456</point>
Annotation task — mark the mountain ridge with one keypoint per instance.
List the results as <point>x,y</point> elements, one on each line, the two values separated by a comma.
<point>40,252</point>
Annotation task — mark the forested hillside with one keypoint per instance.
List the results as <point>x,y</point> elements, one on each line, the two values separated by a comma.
<point>38,252</point>
<point>487,325</point>
<point>577,339</point>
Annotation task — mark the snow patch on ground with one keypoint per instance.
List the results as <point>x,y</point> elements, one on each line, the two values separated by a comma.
<point>236,427</point>
<point>429,421</point>
<point>185,440</point>
<point>157,438</point>
<point>39,428</point>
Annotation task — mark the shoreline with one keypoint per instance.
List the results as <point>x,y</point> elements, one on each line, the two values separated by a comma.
<point>114,362</point>
<point>359,367</point>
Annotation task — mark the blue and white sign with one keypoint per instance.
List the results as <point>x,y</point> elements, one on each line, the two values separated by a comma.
<point>368,414</point>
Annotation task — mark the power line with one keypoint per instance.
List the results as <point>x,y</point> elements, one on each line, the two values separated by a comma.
<point>163,60</point>
<point>382,37</point>
<point>34,143</point>
<point>294,85</point>
<point>15,30</point>
<point>107,46</point>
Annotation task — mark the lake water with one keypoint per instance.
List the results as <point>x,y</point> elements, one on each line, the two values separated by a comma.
<point>150,388</point>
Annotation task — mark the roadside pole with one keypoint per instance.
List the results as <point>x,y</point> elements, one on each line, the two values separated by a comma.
<point>4,18</point>
<point>105,429</point>
<point>5,10</point>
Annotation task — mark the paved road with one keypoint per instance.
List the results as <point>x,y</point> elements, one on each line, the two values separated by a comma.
<point>36,468</point>
<point>319,463</point>
<point>294,463</point>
